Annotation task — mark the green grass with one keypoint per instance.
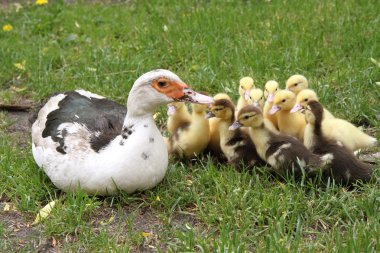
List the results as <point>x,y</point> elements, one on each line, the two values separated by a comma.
<point>203,206</point>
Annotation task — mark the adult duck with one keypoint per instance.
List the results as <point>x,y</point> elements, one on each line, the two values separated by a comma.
<point>84,140</point>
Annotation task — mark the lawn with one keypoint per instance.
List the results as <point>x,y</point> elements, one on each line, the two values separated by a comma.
<point>200,205</point>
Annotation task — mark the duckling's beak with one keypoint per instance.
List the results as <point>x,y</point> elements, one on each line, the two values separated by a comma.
<point>235,126</point>
<point>171,110</point>
<point>274,109</point>
<point>194,97</point>
<point>246,94</point>
<point>270,97</point>
<point>209,115</point>
<point>256,104</point>
<point>296,108</point>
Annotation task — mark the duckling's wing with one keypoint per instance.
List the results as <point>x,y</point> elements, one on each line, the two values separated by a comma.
<point>102,118</point>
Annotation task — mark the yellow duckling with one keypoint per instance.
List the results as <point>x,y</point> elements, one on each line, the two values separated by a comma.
<point>305,96</point>
<point>340,131</point>
<point>284,153</point>
<point>190,139</point>
<point>296,83</point>
<point>256,98</point>
<point>236,145</point>
<point>178,115</point>
<point>288,123</point>
<point>245,86</point>
<point>271,87</point>
<point>214,144</point>
<point>345,167</point>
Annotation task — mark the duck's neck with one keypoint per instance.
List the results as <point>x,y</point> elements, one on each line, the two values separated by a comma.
<point>260,136</point>
<point>309,136</point>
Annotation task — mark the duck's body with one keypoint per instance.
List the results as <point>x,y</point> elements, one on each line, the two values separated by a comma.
<point>345,167</point>
<point>271,88</point>
<point>236,145</point>
<point>178,116</point>
<point>245,86</point>
<point>83,140</point>
<point>341,131</point>
<point>192,138</point>
<point>284,153</point>
<point>288,123</point>
<point>304,97</point>
<point>214,144</point>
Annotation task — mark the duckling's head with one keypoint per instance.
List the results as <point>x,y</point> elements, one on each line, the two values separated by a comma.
<point>314,112</point>
<point>221,96</point>
<point>256,97</point>
<point>245,85</point>
<point>296,83</point>
<point>175,107</point>
<point>248,116</point>
<point>199,108</point>
<point>283,100</point>
<point>223,109</point>
<point>271,87</point>
<point>158,87</point>
<point>303,97</point>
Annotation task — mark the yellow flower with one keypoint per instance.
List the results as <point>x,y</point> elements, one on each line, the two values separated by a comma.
<point>20,65</point>
<point>158,198</point>
<point>146,234</point>
<point>7,28</point>
<point>41,2</point>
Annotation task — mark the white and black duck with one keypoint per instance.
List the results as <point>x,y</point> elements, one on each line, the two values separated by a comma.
<point>84,140</point>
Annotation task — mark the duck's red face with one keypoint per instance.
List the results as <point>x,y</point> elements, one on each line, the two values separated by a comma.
<point>179,91</point>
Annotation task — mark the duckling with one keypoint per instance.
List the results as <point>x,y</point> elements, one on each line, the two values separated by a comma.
<point>245,86</point>
<point>288,123</point>
<point>296,83</point>
<point>236,145</point>
<point>256,98</point>
<point>214,144</point>
<point>345,167</point>
<point>271,87</point>
<point>191,138</point>
<point>178,115</point>
<point>340,131</point>
<point>284,153</point>
<point>303,97</point>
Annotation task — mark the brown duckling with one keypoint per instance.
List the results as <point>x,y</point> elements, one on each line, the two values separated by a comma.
<point>284,153</point>
<point>305,96</point>
<point>345,167</point>
<point>192,138</point>
<point>236,145</point>
<point>214,144</point>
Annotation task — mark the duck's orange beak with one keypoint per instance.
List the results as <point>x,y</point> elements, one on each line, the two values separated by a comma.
<point>179,91</point>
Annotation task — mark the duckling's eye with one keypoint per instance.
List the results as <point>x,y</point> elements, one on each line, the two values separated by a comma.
<point>283,100</point>
<point>306,99</point>
<point>241,86</point>
<point>246,117</point>
<point>295,84</point>
<point>162,84</point>
<point>276,89</point>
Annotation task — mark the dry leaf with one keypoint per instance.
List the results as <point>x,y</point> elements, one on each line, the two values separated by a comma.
<point>18,89</point>
<point>44,212</point>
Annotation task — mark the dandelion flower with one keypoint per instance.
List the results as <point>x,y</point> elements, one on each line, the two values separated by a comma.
<point>41,2</point>
<point>7,28</point>
<point>158,198</point>
<point>20,65</point>
<point>146,234</point>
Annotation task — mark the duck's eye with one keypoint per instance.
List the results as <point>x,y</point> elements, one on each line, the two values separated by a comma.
<point>306,99</point>
<point>295,85</point>
<point>241,86</point>
<point>246,117</point>
<point>283,100</point>
<point>276,89</point>
<point>162,84</point>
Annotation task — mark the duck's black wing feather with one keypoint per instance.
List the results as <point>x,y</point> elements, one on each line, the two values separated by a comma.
<point>98,115</point>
